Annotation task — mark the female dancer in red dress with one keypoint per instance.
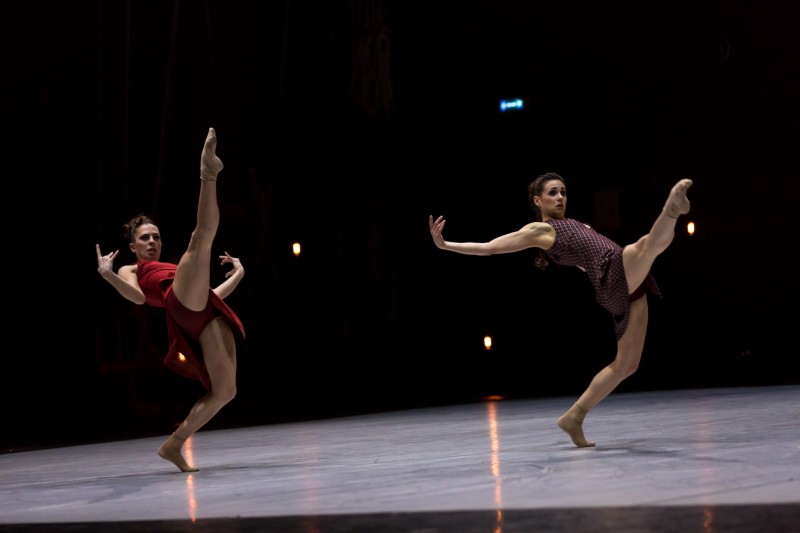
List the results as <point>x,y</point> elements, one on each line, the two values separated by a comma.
<point>200,325</point>
<point>620,275</point>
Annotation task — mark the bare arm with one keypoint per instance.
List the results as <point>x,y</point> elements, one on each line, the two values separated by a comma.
<point>533,235</point>
<point>233,276</point>
<point>125,282</point>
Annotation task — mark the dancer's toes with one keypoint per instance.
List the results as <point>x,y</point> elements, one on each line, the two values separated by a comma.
<point>677,203</point>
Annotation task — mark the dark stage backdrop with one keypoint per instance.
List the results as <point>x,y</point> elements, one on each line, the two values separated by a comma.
<point>343,125</point>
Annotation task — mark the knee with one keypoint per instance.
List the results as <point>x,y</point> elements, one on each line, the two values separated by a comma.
<point>228,393</point>
<point>630,369</point>
<point>225,392</point>
<point>625,369</point>
<point>202,238</point>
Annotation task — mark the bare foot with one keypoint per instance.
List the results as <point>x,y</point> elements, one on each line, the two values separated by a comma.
<point>677,203</point>
<point>210,164</point>
<point>171,451</point>
<point>572,423</point>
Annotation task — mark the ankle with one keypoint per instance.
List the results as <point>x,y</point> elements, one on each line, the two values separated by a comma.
<point>669,212</point>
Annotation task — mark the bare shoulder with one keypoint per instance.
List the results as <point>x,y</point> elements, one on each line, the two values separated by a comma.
<point>539,234</point>
<point>128,271</point>
<point>539,228</point>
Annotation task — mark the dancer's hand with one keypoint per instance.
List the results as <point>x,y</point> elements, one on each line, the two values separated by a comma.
<point>232,277</point>
<point>436,227</point>
<point>105,263</point>
<point>210,164</point>
<point>237,265</point>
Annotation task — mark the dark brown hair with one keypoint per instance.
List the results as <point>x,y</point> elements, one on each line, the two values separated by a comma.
<point>535,188</point>
<point>129,228</point>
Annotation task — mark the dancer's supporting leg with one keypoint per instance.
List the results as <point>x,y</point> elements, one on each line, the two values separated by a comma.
<point>629,353</point>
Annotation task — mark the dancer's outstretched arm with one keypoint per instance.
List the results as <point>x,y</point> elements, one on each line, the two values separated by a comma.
<point>533,235</point>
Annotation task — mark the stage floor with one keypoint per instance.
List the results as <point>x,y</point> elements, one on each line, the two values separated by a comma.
<point>707,460</point>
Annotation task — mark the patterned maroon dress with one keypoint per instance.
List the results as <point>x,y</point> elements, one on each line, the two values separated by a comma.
<point>155,280</point>
<point>579,245</point>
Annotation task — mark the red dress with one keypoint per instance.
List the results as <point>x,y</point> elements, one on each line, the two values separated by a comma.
<point>183,325</point>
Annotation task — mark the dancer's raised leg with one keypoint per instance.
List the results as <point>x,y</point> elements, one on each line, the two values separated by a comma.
<point>192,279</point>
<point>638,258</point>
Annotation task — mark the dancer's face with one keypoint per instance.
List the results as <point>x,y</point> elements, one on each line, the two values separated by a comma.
<point>147,242</point>
<point>553,201</point>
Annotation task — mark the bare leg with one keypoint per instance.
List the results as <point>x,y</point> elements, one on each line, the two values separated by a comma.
<point>638,258</point>
<point>629,353</point>
<point>219,351</point>
<point>191,286</point>
<point>192,279</point>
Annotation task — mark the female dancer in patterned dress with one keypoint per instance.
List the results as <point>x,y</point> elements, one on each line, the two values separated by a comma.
<point>620,275</point>
<point>200,325</point>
